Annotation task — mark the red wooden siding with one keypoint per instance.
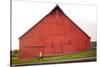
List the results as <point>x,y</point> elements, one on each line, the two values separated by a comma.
<point>55,34</point>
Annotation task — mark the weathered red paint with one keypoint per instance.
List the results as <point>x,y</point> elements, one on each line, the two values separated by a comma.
<point>55,34</point>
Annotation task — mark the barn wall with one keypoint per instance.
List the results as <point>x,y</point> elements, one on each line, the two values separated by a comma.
<point>57,34</point>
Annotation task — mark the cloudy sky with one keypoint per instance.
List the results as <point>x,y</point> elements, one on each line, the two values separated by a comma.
<point>26,13</point>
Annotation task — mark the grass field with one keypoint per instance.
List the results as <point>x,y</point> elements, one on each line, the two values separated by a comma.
<point>82,54</point>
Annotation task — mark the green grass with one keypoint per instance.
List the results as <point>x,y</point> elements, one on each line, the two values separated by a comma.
<point>82,54</point>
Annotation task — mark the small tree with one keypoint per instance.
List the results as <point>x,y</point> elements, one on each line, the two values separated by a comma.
<point>15,53</point>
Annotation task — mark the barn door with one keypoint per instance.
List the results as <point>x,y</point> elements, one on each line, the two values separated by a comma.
<point>37,50</point>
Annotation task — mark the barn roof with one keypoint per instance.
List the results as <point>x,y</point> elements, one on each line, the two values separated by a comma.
<point>55,8</point>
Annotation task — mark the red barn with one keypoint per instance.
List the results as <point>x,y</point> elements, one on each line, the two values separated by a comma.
<point>55,34</point>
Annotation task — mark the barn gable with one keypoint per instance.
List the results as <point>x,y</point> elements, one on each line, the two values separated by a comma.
<point>57,10</point>
<point>55,34</point>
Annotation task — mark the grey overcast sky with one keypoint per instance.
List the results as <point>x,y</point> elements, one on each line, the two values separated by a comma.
<point>26,13</point>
